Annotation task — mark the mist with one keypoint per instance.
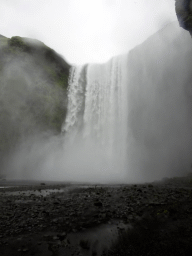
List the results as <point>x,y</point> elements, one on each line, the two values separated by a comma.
<point>32,98</point>
<point>128,120</point>
<point>160,105</point>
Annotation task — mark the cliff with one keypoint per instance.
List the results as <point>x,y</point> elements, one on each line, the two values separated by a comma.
<point>33,86</point>
<point>160,102</point>
<point>184,14</point>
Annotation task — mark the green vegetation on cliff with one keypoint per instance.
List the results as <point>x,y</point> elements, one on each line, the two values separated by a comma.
<point>33,90</point>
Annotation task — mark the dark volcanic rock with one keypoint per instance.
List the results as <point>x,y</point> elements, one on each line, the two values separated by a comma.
<point>159,213</point>
<point>184,14</point>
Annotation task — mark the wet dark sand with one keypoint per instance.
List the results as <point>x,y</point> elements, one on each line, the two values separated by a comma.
<point>75,219</point>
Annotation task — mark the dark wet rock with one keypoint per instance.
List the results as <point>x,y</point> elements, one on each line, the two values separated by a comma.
<point>46,236</point>
<point>25,250</point>
<point>164,203</point>
<point>98,203</point>
<point>85,244</point>
<point>55,238</point>
<point>184,14</point>
<point>62,236</point>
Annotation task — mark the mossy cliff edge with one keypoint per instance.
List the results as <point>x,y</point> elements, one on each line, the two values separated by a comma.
<point>33,90</point>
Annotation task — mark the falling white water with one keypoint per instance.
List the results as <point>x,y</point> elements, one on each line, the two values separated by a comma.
<point>97,122</point>
<point>75,100</point>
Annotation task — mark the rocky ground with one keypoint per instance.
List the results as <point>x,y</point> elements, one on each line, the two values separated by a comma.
<point>67,219</point>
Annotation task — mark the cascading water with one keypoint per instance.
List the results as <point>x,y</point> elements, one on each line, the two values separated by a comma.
<point>96,126</point>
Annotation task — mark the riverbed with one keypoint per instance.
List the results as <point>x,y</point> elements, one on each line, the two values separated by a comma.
<point>58,218</point>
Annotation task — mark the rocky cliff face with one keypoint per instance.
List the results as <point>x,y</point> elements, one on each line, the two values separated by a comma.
<point>33,86</point>
<point>184,14</point>
<point>160,104</point>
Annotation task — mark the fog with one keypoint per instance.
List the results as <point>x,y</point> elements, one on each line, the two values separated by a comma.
<point>29,103</point>
<point>160,105</point>
<point>156,127</point>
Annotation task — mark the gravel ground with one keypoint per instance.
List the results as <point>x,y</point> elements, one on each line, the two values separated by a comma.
<point>64,219</point>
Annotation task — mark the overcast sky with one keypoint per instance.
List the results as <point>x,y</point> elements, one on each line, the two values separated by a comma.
<point>86,30</point>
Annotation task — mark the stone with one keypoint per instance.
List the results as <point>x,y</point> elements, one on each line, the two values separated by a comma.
<point>62,236</point>
<point>98,203</point>
<point>25,250</point>
<point>184,14</point>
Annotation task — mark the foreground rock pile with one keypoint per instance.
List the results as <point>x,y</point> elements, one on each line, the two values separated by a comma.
<point>32,223</point>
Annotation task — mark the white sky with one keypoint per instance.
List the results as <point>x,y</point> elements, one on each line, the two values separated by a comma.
<point>86,30</point>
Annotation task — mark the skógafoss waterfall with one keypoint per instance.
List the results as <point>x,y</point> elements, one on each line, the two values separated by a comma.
<point>128,120</point>
<point>97,123</point>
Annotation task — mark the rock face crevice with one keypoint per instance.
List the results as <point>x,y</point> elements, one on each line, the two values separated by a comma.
<point>184,14</point>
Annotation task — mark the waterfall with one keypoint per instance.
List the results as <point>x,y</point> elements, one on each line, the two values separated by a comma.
<point>97,121</point>
<point>128,120</point>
